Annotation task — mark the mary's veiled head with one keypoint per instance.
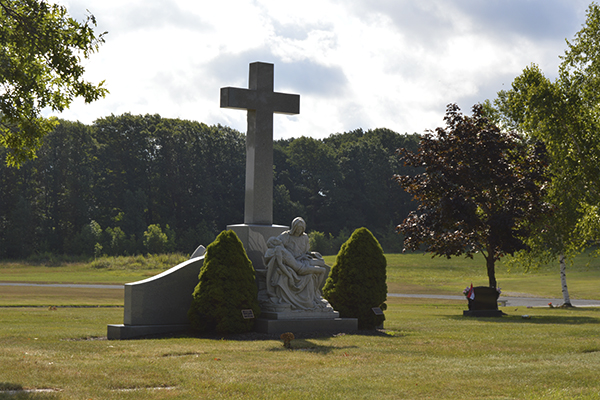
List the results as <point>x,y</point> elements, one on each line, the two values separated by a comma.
<point>298,226</point>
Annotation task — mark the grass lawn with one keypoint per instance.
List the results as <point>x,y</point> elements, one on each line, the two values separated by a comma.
<point>428,351</point>
<point>407,273</point>
<point>419,273</point>
<point>105,270</point>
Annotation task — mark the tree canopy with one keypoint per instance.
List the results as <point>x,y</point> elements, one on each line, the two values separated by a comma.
<point>565,116</point>
<point>41,49</point>
<point>127,173</point>
<point>479,193</point>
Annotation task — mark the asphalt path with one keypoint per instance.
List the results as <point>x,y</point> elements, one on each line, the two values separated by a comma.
<point>63,285</point>
<point>508,301</point>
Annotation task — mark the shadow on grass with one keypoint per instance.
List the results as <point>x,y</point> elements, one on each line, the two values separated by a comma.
<point>532,319</point>
<point>308,346</point>
<point>16,391</point>
<point>255,336</point>
<point>23,395</point>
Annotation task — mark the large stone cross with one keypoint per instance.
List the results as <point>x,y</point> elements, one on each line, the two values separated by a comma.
<point>261,102</point>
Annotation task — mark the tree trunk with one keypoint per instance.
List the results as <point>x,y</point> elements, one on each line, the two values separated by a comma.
<point>491,269</point>
<point>563,281</point>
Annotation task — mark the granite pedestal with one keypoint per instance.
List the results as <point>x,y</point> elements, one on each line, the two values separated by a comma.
<point>254,237</point>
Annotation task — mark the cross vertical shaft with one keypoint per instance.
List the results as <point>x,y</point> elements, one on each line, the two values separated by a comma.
<point>261,102</point>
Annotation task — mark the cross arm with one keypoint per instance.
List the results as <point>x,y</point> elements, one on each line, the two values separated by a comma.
<point>286,103</point>
<point>241,99</point>
<point>248,99</point>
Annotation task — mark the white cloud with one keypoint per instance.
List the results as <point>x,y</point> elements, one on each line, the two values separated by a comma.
<point>355,63</point>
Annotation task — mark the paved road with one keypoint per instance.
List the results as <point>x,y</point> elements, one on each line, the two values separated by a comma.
<point>510,301</point>
<point>63,285</point>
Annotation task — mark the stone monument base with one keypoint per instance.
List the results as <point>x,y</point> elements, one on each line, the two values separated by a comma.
<point>254,238</point>
<point>264,325</point>
<point>303,315</point>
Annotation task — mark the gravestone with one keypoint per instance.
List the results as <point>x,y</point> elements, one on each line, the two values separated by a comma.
<point>159,305</point>
<point>484,303</point>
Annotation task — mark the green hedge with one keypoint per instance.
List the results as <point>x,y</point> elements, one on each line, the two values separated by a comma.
<point>227,286</point>
<point>357,281</point>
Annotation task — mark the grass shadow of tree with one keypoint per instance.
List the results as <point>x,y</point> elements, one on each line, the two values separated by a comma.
<point>310,346</point>
<point>533,319</point>
<point>256,336</point>
<point>15,391</point>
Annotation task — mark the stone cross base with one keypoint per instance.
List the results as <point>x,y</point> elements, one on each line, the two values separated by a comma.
<point>254,238</point>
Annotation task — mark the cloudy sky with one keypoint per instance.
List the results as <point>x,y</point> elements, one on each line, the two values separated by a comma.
<point>355,63</point>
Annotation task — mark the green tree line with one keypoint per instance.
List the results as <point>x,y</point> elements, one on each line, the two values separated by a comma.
<point>134,184</point>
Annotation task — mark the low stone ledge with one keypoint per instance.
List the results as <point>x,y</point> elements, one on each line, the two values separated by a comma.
<point>302,315</point>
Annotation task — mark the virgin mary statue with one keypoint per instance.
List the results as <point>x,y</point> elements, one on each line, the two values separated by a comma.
<point>295,276</point>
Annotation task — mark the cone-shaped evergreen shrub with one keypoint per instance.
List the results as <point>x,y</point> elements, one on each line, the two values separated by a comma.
<point>357,280</point>
<point>226,288</point>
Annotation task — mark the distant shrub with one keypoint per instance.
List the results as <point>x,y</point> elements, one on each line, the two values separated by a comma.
<point>339,240</point>
<point>320,242</point>
<point>192,237</point>
<point>391,241</point>
<point>139,262</point>
<point>226,287</point>
<point>87,241</point>
<point>326,243</point>
<point>170,245</point>
<point>356,283</point>
<point>155,240</point>
<point>117,242</point>
<point>55,260</point>
<point>101,263</point>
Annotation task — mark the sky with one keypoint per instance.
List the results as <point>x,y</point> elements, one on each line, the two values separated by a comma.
<point>366,64</point>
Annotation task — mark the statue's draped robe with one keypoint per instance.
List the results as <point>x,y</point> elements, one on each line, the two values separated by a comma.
<point>289,276</point>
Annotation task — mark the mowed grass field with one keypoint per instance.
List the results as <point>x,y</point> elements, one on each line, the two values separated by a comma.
<point>406,273</point>
<point>428,350</point>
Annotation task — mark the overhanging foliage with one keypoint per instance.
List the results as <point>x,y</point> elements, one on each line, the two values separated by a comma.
<point>41,49</point>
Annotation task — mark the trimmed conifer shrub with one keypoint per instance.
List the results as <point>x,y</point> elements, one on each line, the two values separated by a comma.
<point>357,281</point>
<point>226,287</point>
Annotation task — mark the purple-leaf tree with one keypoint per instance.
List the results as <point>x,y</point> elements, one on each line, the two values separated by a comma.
<point>480,191</point>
